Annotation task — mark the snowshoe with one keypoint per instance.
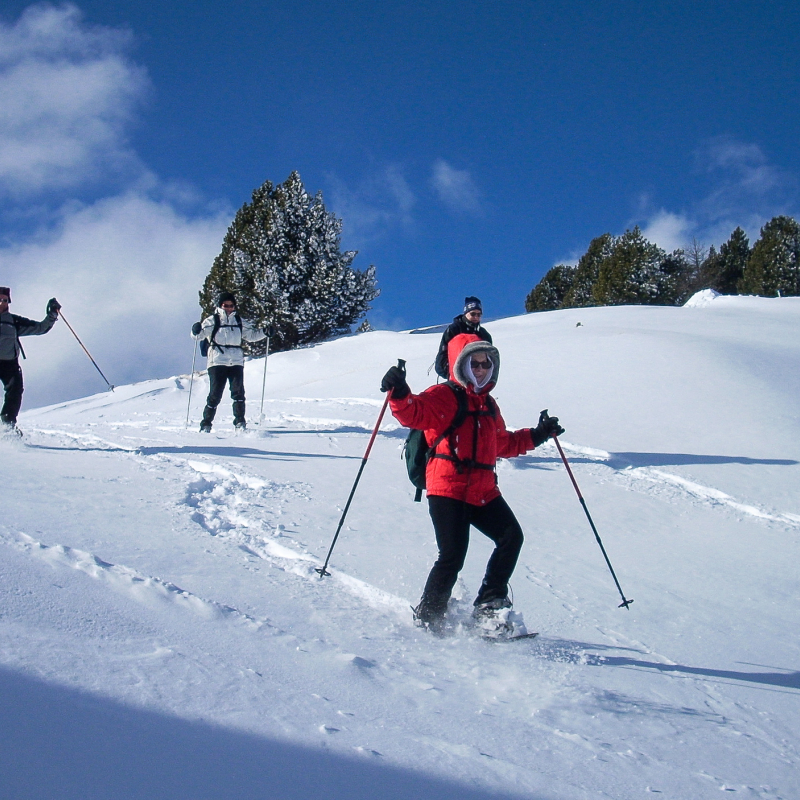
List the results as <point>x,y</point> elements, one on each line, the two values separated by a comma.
<point>496,620</point>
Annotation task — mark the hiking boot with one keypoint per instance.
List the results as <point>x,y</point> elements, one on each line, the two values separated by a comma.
<point>430,619</point>
<point>490,608</point>
<point>10,428</point>
<point>205,427</point>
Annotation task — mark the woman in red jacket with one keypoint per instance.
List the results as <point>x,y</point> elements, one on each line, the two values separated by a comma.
<point>460,476</point>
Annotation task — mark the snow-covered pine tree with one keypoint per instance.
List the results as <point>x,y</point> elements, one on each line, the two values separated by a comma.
<point>281,257</point>
<point>774,263</point>
<point>580,293</point>
<point>549,293</point>
<point>635,272</point>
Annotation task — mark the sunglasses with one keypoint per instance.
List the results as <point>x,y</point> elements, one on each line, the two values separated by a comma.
<point>481,364</point>
<point>4,300</point>
<point>229,305</point>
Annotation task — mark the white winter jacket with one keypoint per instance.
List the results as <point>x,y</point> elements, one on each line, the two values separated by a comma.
<point>227,348</point>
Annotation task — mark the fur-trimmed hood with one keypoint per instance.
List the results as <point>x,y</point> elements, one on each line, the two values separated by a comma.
<point>460,349</point>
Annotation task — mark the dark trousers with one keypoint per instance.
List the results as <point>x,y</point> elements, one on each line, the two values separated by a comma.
<point>451,522</point>
<point>217,378</point>
<point>11,376</point>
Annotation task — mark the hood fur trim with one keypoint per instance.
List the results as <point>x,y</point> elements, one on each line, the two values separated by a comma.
<point>469,349</point>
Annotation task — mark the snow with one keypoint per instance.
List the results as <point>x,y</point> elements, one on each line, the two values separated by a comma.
<point>163,632</point>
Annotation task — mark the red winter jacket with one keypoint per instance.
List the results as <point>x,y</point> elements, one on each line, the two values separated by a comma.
<point>477,443</point>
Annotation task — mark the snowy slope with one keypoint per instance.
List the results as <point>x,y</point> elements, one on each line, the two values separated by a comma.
<point>163,632</point>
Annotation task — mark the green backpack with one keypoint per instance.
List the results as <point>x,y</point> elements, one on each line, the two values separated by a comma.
<point>416,450</point>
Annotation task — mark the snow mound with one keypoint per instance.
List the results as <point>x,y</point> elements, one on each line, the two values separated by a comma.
<point>702,298</point>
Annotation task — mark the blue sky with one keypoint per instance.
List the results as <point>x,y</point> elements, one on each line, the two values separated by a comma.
<point>468,147</point>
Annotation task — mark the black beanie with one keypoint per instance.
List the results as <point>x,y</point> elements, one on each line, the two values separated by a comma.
<point>472,304</point>
<point>226,297</point>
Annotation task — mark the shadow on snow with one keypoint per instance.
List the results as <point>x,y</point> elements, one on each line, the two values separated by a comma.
<point>620,461</point>
<point>59,742</point>
<point>570,651</point>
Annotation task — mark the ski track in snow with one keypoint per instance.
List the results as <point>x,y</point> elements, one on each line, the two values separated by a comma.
<point>142,588</point>
<point>243,509</point>
<point>649,480</point>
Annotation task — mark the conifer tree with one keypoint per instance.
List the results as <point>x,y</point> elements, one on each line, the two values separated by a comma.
<point>281,257</point>
<point>549,293</point>
<point>733,256</point>
<point>632,273</point>
<point>773,267</point>
<point>723,270</point>
<point>580,293</point>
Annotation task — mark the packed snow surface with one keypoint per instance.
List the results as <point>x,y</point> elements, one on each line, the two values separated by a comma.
<point>164,633</point>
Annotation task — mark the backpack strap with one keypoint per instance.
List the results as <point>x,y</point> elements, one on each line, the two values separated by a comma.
<point>461,415</point>
<point>217,325</point>
<point>15,323</point>
<point>458,419</point>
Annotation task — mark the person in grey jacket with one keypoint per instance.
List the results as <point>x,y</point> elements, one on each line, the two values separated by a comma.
<point>225,331</point>
<point>12,327</point>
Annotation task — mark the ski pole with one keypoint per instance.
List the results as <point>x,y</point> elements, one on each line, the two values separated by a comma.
<point>61,314</point>
<point>191,383</point>
<point>264,382</point>
<point>625,603</point>
<point>323,571</point>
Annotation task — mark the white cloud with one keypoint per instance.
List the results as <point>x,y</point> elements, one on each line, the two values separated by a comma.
<point>456,188</point>
<point>668,230</point>
<point>743,165</point>
<point>67,95</point>
<point>744,190</point>
<point>379,203</point>
<point>127,271</point>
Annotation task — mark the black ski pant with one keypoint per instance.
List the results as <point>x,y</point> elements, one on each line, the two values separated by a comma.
<point>11,376</point>
<point>451,521</point>
<point>217,378</point>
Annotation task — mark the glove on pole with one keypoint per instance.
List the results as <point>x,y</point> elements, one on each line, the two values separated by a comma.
<point>323,571</point>
<point>625,603</point>
<point>191,383</point>
<point>61,314</point>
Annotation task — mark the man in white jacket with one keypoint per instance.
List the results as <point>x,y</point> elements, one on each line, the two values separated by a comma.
<point>225,331</point>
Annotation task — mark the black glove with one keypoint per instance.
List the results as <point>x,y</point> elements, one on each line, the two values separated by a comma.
<point>196,328</point>
<point>548,427</point>
<point>270,331</point>
<point>53,307</point>
<point>395,381</point>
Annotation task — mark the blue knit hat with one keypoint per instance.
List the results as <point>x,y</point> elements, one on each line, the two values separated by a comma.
<point>472,304</point>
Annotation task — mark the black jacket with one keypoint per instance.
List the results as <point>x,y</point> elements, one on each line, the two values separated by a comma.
<point>458,325</point>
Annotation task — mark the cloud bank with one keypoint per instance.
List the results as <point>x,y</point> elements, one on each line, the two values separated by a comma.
<point>127,267</point>
<point>68,93</point>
